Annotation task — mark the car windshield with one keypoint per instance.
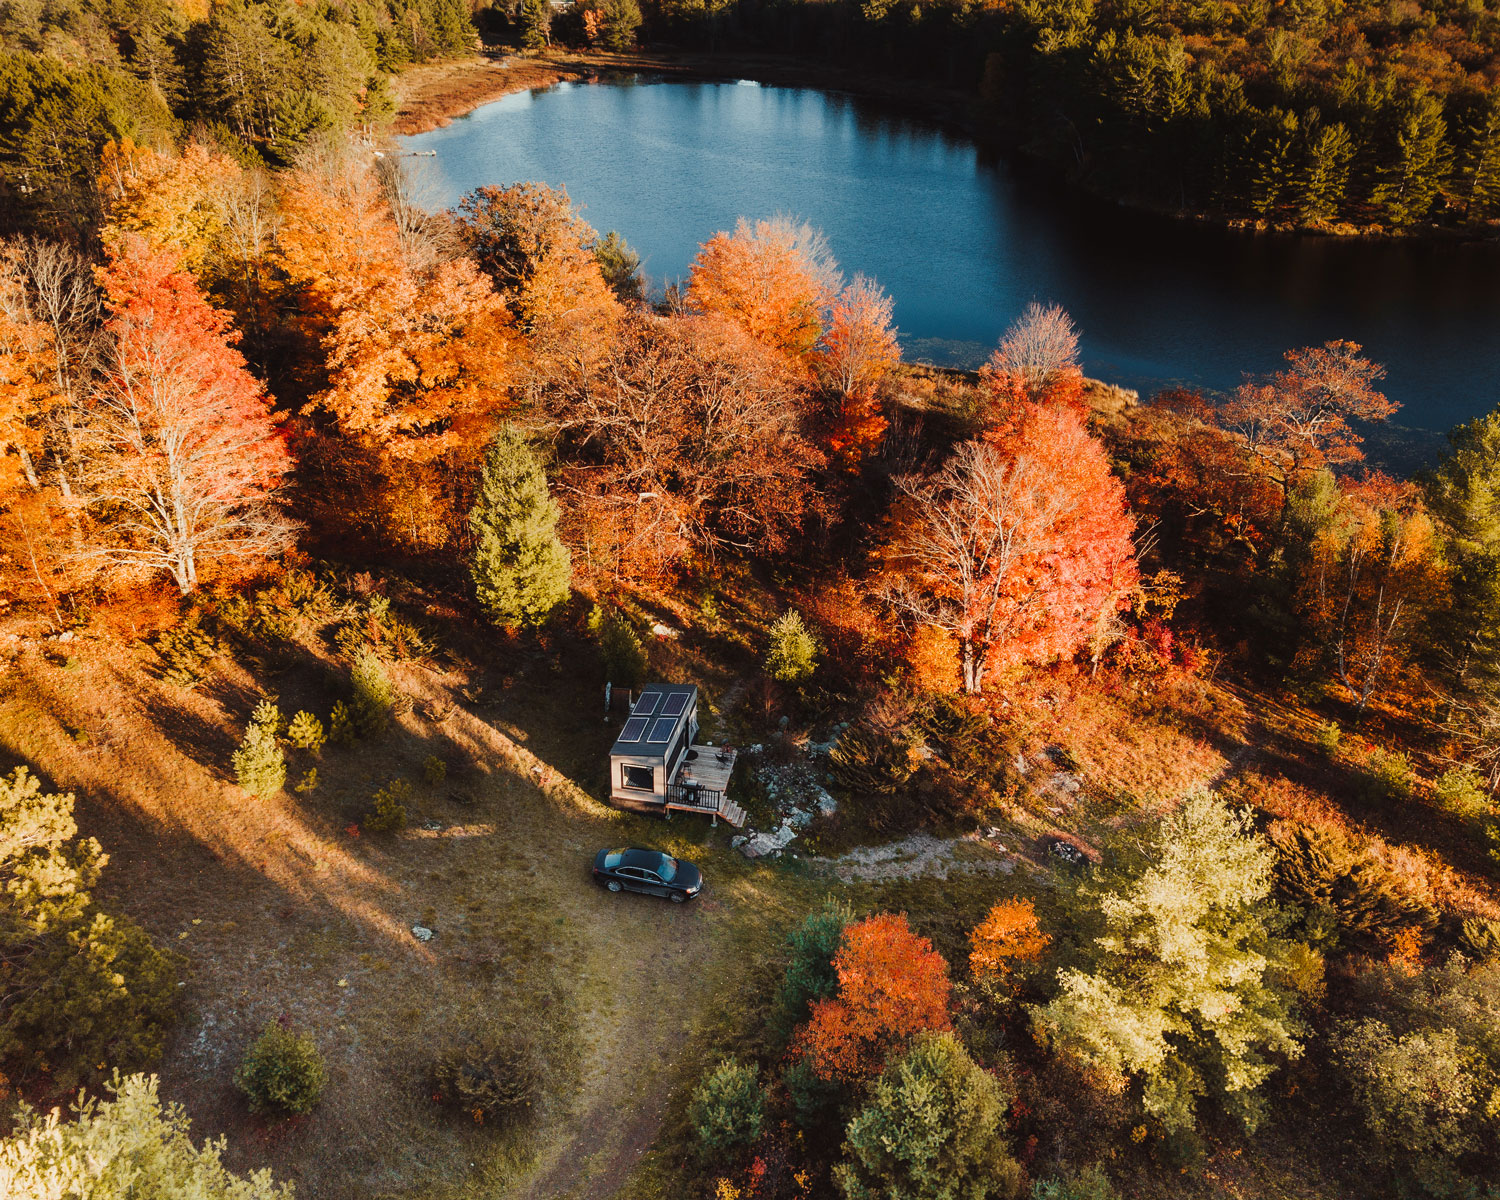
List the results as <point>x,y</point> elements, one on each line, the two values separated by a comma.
<point>667,868</point>
<point>612,859</point>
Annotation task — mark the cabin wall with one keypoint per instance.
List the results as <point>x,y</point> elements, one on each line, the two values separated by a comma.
<point>637,797</point>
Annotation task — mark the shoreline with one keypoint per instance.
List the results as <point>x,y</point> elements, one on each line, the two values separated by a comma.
<point>433,95</point>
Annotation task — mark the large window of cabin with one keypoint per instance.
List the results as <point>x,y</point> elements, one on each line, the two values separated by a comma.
<point>642,779</point>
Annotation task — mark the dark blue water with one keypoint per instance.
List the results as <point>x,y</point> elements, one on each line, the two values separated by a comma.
<point>962,239</point>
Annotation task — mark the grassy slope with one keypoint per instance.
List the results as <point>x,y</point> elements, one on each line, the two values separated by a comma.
<point>280,908</point>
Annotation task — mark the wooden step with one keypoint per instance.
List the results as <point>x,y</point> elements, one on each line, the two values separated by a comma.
<point>733,813</point>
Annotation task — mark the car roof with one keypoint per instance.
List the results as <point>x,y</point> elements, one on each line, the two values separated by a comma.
<point>639,856</point>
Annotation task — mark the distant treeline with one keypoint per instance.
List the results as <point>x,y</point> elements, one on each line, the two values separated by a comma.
<point>1313,112</point>
<point>260,77</point>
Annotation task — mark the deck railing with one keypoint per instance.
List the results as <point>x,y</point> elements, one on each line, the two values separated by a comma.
<point>695,795</point>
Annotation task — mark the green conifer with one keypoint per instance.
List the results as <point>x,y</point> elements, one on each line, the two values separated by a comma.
<point>520,568</point>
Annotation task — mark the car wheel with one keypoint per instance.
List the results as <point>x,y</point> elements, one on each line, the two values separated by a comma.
<point>678,897</point>
<point>613,885</point>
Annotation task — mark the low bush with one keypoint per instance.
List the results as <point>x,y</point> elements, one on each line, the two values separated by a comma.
<point>1323,869</point>
<point>282,1072</point>
<point>388,807</point>
<point>434,770</point>
<point>1088,1184</point>
<point>306,732</point>
<point>308,782</point>
<point>620,648</point>
<point>493,1080</point>
<point>259,764</point>
<point>374,693</point>
<point>875,756</point>
<point>728,1108</point>
<point>186,650</point>
<point>1329,739</point>
<point>1480,937</point>
<point>341,728</point>
<point>792,651</point>
<point>1389,776</point>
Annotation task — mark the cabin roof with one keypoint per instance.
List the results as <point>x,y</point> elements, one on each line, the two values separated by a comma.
<point>659,712</point>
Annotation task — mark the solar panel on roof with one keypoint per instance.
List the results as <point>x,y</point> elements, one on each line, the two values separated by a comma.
<point>633,729</point>
<point>662,730</point>
<point>675,705</point>
<point>646,705</point>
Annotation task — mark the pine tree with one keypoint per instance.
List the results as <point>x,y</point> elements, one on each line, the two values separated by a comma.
<point>535,17</point>
<point>520,568</point>
<point>1481,173</point>
<point>1413,178</point>
<point>1325,178</point>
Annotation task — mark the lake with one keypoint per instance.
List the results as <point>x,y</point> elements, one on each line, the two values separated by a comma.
<point>963,239</point>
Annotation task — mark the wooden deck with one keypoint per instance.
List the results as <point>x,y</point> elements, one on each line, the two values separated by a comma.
<point>709,769</point>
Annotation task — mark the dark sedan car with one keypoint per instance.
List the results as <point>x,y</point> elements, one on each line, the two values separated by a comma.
<point>637,869</point>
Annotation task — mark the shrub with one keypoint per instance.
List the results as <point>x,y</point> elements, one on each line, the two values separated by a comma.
<point>434,770</point>
<point>1390,775</point>
<point>186,650</point>
<point>1324,869</point>
<point>282,1072</point>
<point>1329,738</point>
<point>874,759</point>
<point>267,714</point>
<point>792,653</point>
<point>341,728</point>
<point>620,649</point>
<point>494,1079</point>
<point>1417,1096</point>
<point>259,765</point>
<point>308,782</point>
<point>78,986</point>
<point>388,811</point>
<point>1480,937</point>
<point>1005,940</point>
<point>128,1145</point>
<point>374,693</point>
<point>306,732</point>
<point>934,1126</point>
<point>1089,1184</point>
<point>817,1103</point>
<point>728,1108</point>
<point>1460,792</point>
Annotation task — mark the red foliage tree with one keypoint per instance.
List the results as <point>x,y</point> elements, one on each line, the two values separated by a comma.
<point>1020,548</point>
<point>892,986</point>
<point>178,450</point>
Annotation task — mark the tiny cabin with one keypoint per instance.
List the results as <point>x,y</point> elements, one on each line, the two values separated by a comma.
<point>654,765</point>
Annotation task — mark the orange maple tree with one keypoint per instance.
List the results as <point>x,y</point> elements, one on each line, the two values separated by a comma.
<point>892,986</point>
<point>1009,934</point>
<point>773,279</point>
<point>1018,547</point>
<point>177,200</point>
<point>178,450</point>
<point>28,374</point>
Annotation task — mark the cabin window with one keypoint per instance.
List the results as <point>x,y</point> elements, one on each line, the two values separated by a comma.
<point>641,778</point>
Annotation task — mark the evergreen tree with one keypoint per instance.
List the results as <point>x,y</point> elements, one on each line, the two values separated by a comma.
<point>535,17</point>
<point>1273,175</point>
<point>619,19</point>
<point>792,655</point>
<point>1325,177</point>
<point>1177,984</point>
<point>78,987</point>
<point>128,1145</point>
<point>520,568</point>
<point>620,266</point>
<point>933,1129</point>
<point>1481,167</point>
<point>1412,178</point>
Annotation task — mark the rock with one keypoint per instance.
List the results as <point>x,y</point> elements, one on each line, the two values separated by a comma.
<point>432,826</point>
<point>827,805</point>
<point>755,749</point>
<point>65,636</point>
<point>1020,764</point>
<point>783,723</point>
<point>421,933</point>
<point>663,631</point>
<point>799,818</point>
<point>1068,852</point>
<point>738,840</point>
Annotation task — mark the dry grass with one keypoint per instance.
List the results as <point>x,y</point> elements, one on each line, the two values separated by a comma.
<point>282,906</point>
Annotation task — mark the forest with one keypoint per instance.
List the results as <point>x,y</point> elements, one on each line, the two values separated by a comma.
<point>1321,116</point>
<point>1122,777</point>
